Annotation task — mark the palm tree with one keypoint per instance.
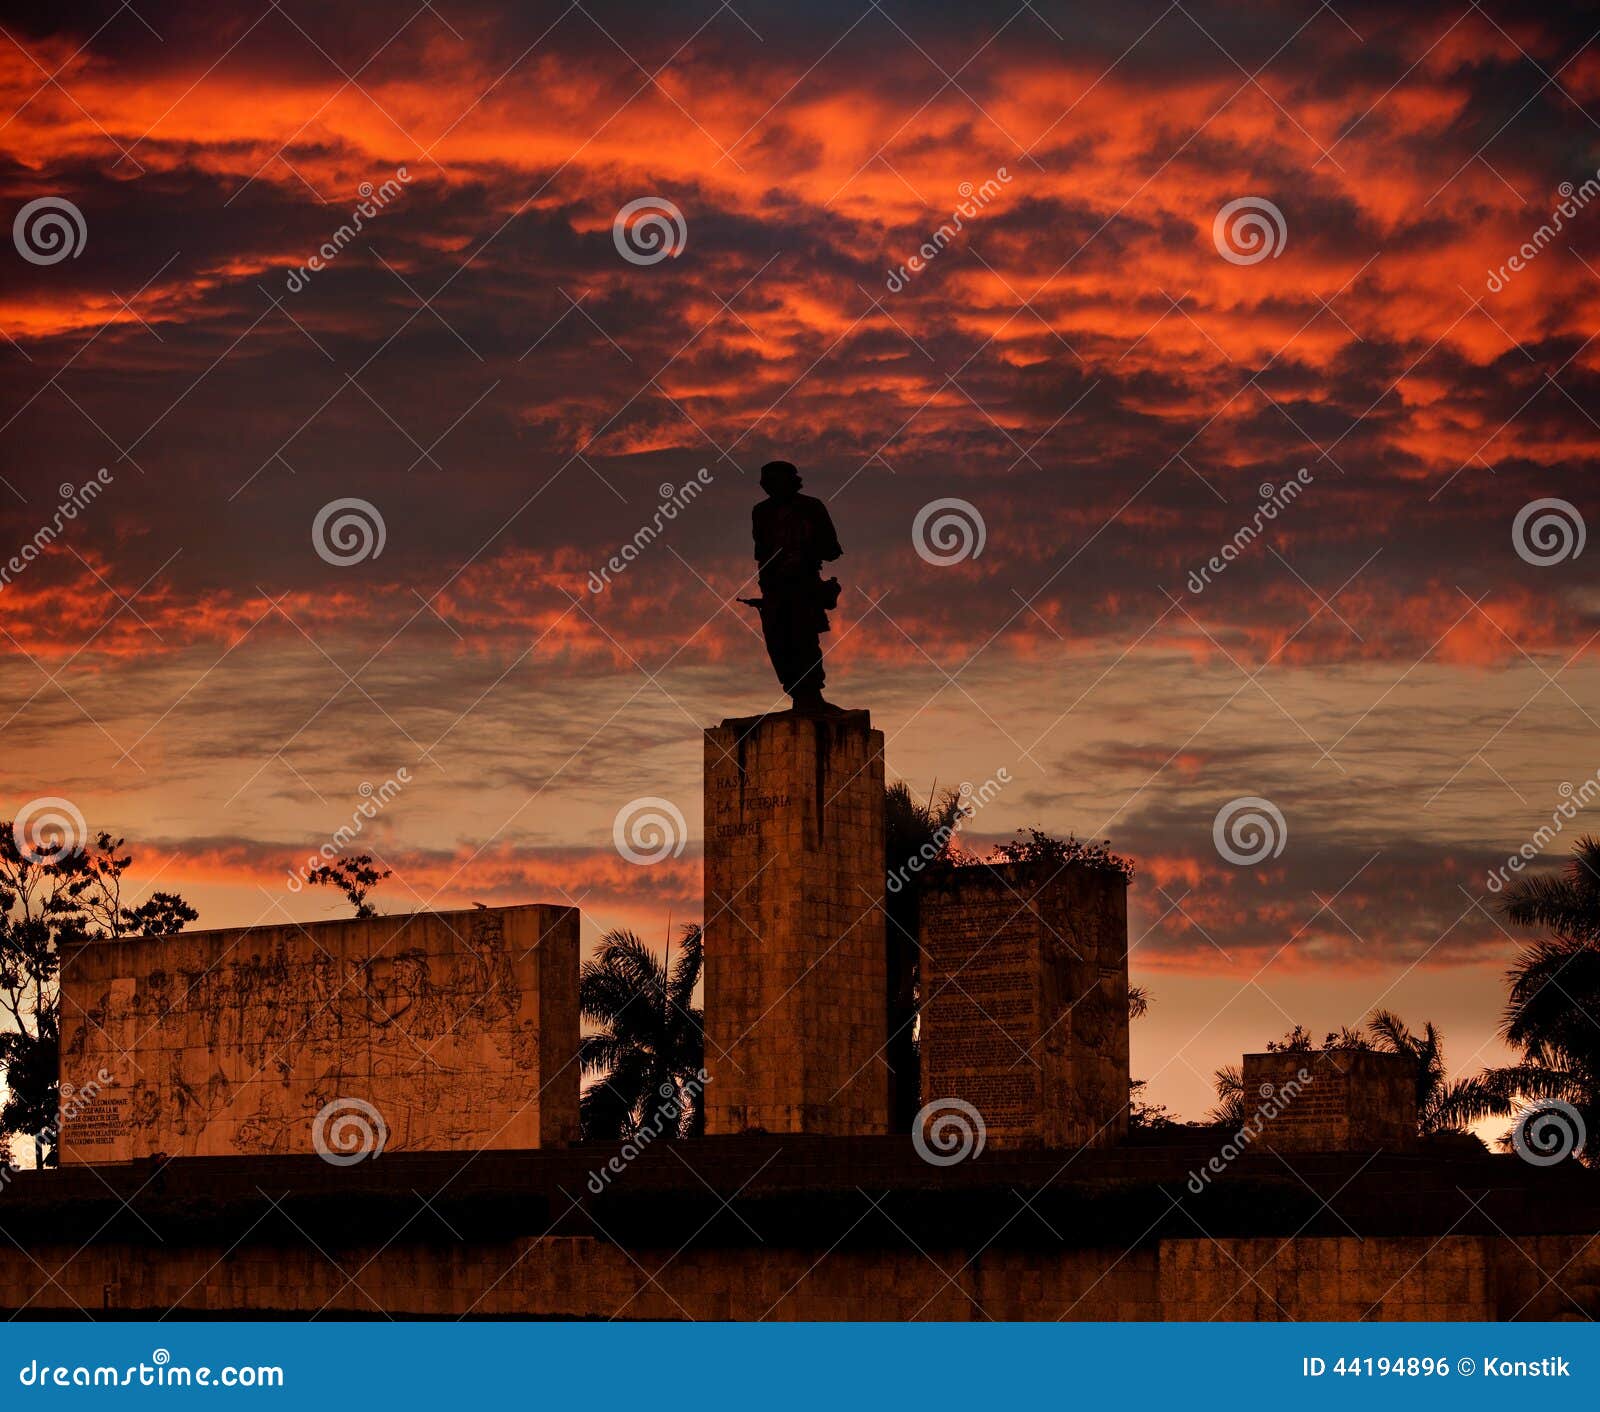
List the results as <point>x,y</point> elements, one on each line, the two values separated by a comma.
<point>1442,1106</point>
<point>646,1051</point>
<point>1555,987</point>
<point>920,832</point>
<point>1568,902</point>
<point>1229,1084</point>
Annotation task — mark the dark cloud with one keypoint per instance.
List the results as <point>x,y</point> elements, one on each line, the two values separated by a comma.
<point>1079,362</point>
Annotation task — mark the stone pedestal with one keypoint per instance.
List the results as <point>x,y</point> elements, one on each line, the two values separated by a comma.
<point>1025,1001</point>
<point>1331,1100</point>
<point>794,928</point>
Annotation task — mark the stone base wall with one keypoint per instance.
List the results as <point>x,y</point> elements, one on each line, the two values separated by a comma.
<point>1389,1278</point>
<point>1381,1278</point>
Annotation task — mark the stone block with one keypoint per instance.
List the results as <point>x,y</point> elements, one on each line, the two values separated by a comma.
<point>1331,1100</point>
<point>1024,1009</point>
<point>795,974</point>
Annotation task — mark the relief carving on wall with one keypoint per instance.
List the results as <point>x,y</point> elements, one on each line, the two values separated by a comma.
<point>240,1057</point>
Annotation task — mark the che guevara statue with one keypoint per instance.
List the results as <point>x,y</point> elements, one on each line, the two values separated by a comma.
<point>794,538</point>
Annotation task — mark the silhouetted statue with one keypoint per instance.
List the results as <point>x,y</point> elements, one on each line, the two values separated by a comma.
<point>793,539</point>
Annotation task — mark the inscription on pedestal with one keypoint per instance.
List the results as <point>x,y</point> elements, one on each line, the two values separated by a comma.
<point>726,796</point>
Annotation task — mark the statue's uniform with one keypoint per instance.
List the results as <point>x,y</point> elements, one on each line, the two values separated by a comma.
<point>794,537</point>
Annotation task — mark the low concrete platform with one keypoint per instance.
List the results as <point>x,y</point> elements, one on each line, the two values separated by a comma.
<point>787,1226</point>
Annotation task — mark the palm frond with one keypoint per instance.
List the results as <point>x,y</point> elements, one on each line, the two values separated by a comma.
<point>686,968</point>
<point>1229,1084</point>
<point>1567,903</point>
<point>1467,1101</point>
<point>1390,1034</point>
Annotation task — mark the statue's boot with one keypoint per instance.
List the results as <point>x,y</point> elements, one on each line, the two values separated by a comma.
<point>810,701</point>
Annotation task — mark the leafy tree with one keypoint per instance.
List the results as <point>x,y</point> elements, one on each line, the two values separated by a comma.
<point>1141,1114</point>
<point>54,896</point>
<point>1040,847</point>
<point>1299,1041</point>
<point>647,1051</point>
<point>1555,990</point>
<point>355,877</point>
<point>1148,1117</point>
<point>915,836</point>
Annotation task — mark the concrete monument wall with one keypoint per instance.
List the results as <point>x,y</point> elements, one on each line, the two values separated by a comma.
<point>1024,1010</point>
<point>796,1021</point>
<point>456,1030</point>
<point>1333,1100</point>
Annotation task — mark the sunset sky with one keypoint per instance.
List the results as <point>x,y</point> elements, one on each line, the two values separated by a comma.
<point>1388,662</point>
